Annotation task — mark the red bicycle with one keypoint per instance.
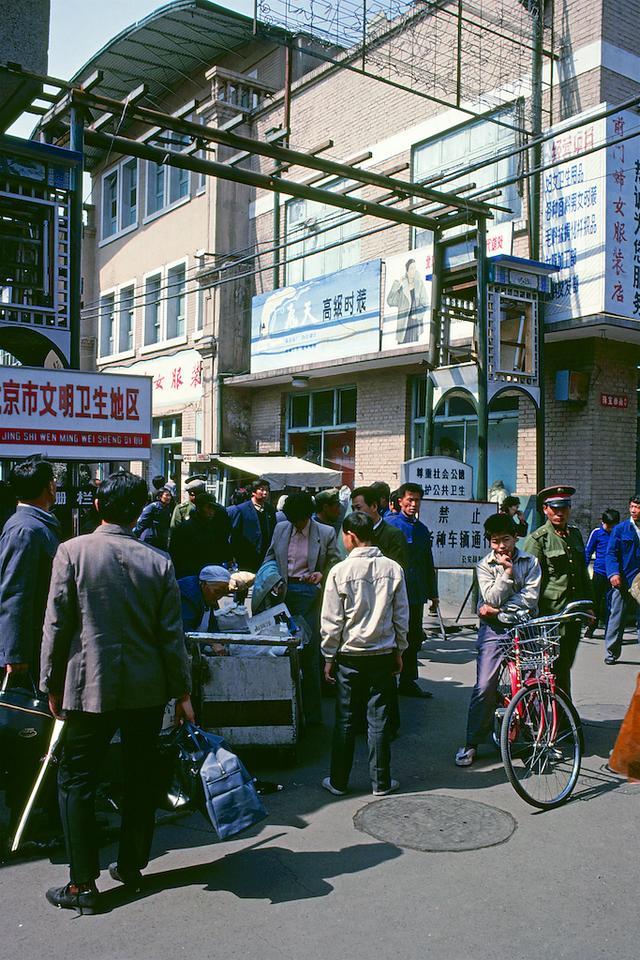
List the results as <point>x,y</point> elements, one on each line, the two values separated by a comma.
<point>536,723</point>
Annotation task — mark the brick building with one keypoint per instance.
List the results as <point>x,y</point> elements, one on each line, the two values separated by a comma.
<point>180,263</point>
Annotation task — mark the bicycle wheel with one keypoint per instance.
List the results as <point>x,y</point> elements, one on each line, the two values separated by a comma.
<point>503,696</point>
<point>540,745</point>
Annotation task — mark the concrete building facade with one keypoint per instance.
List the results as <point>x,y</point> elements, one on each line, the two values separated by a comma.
<point>194,254</point>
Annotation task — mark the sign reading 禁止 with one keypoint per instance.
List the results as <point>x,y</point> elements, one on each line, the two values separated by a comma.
<point>457,531</point>
<point>71,415</point>
<point>327,318</point>
<point>621,401</point>
<point>439,477</point>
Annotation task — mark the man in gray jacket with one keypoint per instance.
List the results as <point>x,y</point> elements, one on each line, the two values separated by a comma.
<point>508,579</point>
<point>113,654</point>
<point>364,624</point>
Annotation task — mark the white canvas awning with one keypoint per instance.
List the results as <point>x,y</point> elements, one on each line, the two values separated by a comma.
<point>284,472</point>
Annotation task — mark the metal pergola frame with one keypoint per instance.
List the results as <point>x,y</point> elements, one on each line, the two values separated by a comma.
<point>90,113</point>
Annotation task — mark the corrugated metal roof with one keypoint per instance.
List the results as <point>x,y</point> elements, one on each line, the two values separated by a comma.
<point>168,49</point>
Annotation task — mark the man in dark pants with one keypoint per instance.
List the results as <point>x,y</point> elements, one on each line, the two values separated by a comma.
<point>28,544</point>
<point>422,582</point>
<point>113,654</point>
<point>559,549</point>
<point>508,581</point>
<point>304,550</point>
<point>622,567</point>
<point>364,621</point>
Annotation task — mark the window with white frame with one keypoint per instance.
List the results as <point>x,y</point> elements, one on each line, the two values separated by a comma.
<point>471,143</point>
<point>116,321</point>
<point>200,307</point>
<point>107,324</point>
<point>165,184</point>
<point>176,300</point>
<point>119,199</point>
<point>126,317</point>
<point>311,227</point>
<point>152,308</point>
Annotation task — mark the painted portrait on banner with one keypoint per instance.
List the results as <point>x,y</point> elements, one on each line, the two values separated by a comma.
<point>407,298</point>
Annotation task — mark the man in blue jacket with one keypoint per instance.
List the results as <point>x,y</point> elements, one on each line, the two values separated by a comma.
<point>422,584</point>
<point>252,526</point>
<point>29,541</point>
<point>623,564</point>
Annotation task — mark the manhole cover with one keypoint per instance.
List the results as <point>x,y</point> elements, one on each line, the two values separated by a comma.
<point>602,714</point>
<point>435,823</point>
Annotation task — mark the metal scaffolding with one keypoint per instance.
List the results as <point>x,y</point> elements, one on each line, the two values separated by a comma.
<point>464,54</point>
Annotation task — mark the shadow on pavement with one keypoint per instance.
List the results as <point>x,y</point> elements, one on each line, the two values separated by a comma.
<point>274,874</point>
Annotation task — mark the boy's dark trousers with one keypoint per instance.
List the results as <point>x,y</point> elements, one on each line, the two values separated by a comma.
<point>365,686</point>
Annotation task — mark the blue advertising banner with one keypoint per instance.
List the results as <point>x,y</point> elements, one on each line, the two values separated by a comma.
<point>328,318</point>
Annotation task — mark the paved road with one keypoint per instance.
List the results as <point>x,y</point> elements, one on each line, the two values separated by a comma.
<point>309,885</point>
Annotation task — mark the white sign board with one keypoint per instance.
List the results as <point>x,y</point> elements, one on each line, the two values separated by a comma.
<point>177,379</point>
<point>591,208</point>
<point>332,317</point>
<point>457,531</point>
<point>72,415</point>
<point>407,298</point>
<point>439,477</point>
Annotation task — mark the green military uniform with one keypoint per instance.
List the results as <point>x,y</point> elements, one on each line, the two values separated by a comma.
<point>564,578</point>
<point>181,513</point>
<point>564,571</point>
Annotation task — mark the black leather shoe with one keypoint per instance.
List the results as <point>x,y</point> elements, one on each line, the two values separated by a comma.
<point>610,660</point>
<point>412,689</point>
<point>87,902</point>
<point>129,878</point>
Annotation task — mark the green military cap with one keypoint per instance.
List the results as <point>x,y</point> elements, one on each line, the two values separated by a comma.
<point>556,496</point>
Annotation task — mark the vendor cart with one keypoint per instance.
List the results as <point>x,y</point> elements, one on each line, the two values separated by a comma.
<point>251,700</point>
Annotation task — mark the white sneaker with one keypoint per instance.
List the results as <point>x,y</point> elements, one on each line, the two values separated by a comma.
<point>465,756</point>
<point>326,783</point>
<point>393,786</point>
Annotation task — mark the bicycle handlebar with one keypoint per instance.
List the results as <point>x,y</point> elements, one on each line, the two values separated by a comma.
<point>576,610</point>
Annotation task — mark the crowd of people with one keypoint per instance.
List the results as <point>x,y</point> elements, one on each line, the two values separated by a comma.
<point>99,620</point>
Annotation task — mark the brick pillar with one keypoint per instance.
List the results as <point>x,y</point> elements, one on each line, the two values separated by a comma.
<point>591,446</point>
<point>526,455</point>
<point>382,423</point>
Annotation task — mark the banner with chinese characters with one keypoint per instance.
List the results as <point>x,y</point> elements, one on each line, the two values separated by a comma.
<point>177,379</point>
<point>71,415</point>
<point>622,266</point>
<point>439,477</point>
<point>590,210</point>
<point>327,318</point>
<point>406,309</point>
<point>457,531</point>
<point>573,222</point>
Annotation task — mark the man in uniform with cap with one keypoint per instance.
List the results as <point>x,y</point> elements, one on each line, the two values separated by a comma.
<point>559,549</point>
<point>194,485</point>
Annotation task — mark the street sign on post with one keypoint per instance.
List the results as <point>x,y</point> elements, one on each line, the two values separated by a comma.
<point>74,415</point>
<point>440,477</point>
<point>457,531</point>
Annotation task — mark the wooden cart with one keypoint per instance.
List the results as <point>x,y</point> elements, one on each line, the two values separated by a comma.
<point>251,701</point>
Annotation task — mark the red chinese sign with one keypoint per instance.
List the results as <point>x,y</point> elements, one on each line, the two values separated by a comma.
<point>614,400</point>
<point>69,414</point>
